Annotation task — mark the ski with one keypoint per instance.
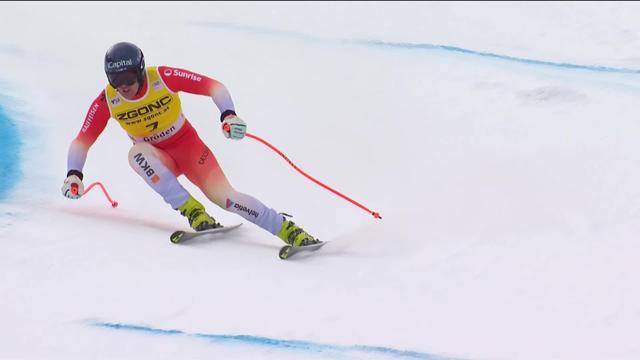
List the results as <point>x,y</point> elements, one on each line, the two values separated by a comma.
<point>181,236</point>
<point>288,250</point>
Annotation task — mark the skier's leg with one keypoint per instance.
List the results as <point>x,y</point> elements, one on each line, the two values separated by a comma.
<point>210,178</point>
<point>215,185</point>
<point>201,167</point>
<point>159,171</point>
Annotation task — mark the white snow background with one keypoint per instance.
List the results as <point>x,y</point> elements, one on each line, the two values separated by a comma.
<point>499,142</point>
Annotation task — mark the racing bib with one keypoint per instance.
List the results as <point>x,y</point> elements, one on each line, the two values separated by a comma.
<point>154,117</point>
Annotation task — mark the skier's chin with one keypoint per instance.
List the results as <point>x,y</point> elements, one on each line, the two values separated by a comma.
<point>128,93</point>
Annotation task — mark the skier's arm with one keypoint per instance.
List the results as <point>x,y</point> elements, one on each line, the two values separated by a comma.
<point>184,80</point>
<point>94,123</point>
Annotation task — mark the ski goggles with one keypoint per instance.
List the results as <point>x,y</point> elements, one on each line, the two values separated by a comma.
<point>127,78</point>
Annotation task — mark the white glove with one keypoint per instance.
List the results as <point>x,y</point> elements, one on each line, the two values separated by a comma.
<point>233,127</point>
<point>73,188</point>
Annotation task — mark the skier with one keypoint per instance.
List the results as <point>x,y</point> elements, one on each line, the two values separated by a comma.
<point>145,102</point>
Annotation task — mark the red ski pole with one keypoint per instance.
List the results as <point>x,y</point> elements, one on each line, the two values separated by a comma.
<point>74,190</point>
<point>375,214</point>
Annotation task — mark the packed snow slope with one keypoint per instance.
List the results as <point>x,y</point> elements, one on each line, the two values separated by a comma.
<point>499,142</point>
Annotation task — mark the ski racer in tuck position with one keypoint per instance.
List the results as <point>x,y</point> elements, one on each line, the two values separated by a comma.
<point>146,104</point>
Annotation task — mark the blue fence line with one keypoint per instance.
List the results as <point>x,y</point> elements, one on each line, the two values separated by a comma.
<point>305,346</point>
<point>414,46</point>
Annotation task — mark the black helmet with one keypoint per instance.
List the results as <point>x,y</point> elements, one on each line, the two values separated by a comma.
<point>123,61</point>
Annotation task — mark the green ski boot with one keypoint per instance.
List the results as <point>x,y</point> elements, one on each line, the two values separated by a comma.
<point>294,235</point>
<point>296,239</point>
<point>198,218</point>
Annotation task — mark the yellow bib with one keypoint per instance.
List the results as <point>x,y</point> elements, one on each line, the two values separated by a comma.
<point>154,117</point>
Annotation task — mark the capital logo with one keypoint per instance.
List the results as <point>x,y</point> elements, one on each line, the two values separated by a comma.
<point>157,85</point>
<point>115,101</point>
<point>167,72</point>
<point>118,64</point>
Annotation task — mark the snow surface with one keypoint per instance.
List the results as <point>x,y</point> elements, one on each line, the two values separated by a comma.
<point>509,191</point>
